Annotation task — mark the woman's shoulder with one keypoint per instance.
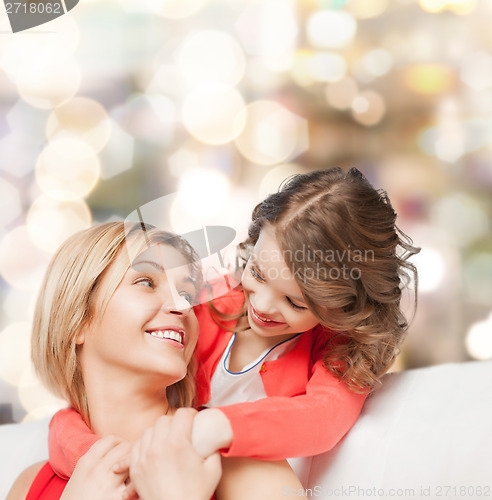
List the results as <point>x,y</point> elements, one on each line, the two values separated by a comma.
<point>23,483</point>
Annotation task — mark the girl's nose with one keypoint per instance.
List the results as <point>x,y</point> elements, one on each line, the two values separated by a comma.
<point>264,301</point>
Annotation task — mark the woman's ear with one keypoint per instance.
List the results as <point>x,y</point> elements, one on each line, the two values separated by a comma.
<point>80,338</point>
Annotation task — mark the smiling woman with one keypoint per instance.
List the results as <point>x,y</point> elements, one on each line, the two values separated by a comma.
<point>115,335</point>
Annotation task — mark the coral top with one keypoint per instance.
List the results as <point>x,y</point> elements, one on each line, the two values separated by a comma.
<point>306,412</point>
<point>46,485</point>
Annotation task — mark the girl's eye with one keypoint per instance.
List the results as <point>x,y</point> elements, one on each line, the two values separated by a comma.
<point>294,305</point>
<point>256,275</point>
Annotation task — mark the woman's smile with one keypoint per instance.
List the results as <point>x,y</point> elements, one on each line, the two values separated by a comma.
<point>172,335</point>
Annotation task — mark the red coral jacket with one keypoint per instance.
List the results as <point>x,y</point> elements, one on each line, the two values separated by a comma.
<point>307,411</point>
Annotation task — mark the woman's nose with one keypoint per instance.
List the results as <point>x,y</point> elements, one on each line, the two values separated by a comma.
<point>177,304</point>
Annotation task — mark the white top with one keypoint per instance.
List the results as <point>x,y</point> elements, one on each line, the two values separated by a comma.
<point>228,387</point>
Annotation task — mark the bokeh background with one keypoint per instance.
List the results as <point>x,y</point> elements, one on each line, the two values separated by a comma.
<point>123,101</point>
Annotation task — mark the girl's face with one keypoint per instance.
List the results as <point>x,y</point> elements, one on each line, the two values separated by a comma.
<point>148,325</point>
<point>276,305</point>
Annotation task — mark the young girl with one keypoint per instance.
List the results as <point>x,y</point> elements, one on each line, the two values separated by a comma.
<point>288,360</point>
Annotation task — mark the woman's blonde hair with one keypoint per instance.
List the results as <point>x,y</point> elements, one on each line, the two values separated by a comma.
<point>339,238</point>
<point>66,304</point>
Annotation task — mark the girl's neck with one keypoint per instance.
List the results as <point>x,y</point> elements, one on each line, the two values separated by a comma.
<point>124,408</point>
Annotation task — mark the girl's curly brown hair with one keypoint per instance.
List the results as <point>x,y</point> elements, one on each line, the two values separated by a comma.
<point>339,238</point>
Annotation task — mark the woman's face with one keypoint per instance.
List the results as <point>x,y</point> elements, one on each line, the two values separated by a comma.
<point>148,325</point>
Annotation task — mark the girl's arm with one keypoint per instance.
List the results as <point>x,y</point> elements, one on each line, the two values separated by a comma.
<point>275,428</point>
<point>165,466</point>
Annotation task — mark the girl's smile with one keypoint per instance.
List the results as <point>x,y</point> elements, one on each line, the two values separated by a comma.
<point>262,320</point>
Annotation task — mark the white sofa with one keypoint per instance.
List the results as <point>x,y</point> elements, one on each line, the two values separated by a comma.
<point>425,433</point>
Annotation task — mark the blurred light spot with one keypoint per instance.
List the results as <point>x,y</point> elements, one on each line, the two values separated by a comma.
<point>117,156</point>
<point>22,263</point>
<point>433,5</point>
<point>478,278</point>
<point>82,117</point>
<point>214,114</point>
<point>18,304</point>
<point>10,206</point>
<point>149,117</point>
<point>182,160</point>
<point>201,193</point>
<point>341,94</point>
<point>479,339</point>
<point>20,148</point>
<point>448,140</point>
<point>300,68</point>
<point>35,398</point>
<point>476,71</point>
<point>331,29</point>
<point>462,7</point>
<point>15,355</point>
<point>24,58</point>
<point>268,29</point>
<point>375,63</point>
<point>67,169</point>
<point>211,56</point>
<point>365,10</point>
<point>50,222</point>
<point>272,133</point>
<point>368,108</point>
<point>431,268</point>
<point>462,217</point>
<point>167,81</point>
<point>49,89</point>
<point>273,178</point>
<point>428,78</point>
<point>170,9</point>
<point>177,9</point>
<point>327,67</point>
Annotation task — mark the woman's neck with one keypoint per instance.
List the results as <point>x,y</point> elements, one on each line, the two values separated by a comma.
<point>124,406</point>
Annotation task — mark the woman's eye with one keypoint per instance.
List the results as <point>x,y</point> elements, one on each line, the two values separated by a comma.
<point>294,305</point>
<point>145,281</point>
<point>190,298</point>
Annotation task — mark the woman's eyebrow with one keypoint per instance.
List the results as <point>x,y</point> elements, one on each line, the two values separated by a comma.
<point>152,263</point>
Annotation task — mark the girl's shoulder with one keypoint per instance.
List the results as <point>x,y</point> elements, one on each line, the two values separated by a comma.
<point>324,338</point>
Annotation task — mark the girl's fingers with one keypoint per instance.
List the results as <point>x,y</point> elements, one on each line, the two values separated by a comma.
<point>122,466</point>
<point>101,448</point>
<point>129,492</point>
<point>182,423</point>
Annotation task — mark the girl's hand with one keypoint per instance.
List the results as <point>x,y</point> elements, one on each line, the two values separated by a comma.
<point>93,477</point>
<point>165,466</point>
<point>212,432</point>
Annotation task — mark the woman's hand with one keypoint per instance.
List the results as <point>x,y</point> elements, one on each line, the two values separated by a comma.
<point>212,432</point>
<point>165,466</point>
<point>93,477</point>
